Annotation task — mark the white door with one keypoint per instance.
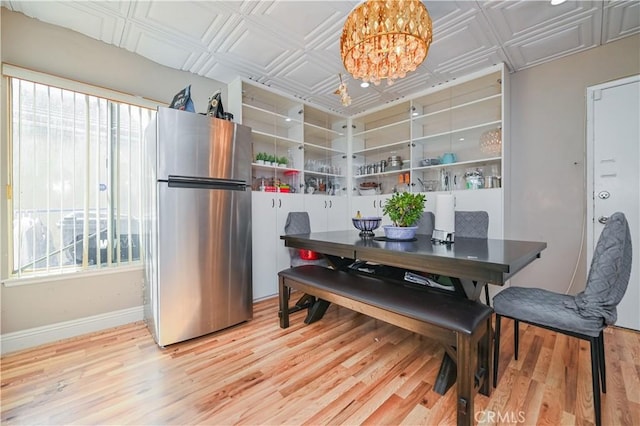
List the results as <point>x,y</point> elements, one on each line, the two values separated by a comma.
<point>263,238</point>
<point>285,203</point>
<point>338,218</point>
<point>613,178</point>
<point>316,206</point>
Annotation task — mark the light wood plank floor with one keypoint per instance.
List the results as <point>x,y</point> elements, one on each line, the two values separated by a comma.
<point>345,369</point>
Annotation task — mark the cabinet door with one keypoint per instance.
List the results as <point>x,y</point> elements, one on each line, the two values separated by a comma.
<point>338,218</point>
<point>381,200</point>
<point>489,200</point>
<point>367,205</point>
<point>285,203</point>
<point>317,207</point>
<point>263,239</point>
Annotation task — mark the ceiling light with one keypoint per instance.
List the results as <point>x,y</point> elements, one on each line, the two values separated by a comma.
<point>364,84</point>
<point>342,90</point>
<point>491,141</point>
<point>557,2</point>
<point>385,39</point>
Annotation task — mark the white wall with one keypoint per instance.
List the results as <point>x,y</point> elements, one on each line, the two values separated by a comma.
<point>32,44</point>
<point>548,149</point>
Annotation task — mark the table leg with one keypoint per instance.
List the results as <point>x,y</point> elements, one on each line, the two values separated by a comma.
<point>446,375</point>
<point>316,311</point>
<point>319,307</point>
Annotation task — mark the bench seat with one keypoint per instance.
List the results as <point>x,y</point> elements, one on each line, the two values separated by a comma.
<point>442,310</point>
<point>462,326</point>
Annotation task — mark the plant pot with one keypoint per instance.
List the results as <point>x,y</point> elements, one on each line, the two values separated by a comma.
<point>399,232</point>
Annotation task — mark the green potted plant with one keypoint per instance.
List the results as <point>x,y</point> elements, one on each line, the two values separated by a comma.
<point>260,157</point>
<point>404,209</point>
<point>282,161</point>
<point>271,160</point>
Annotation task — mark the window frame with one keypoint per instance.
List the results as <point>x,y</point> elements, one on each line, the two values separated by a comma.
<point>11,71</point>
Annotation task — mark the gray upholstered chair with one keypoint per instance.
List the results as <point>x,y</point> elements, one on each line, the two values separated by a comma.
<point>473,224</point>
<point>426,223</point>
<point>298,223</point>
<point>585,315</point>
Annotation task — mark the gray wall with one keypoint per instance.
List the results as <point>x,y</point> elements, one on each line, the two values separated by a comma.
<point>32,44</point>
<point>548,113</point>
<point>548,149</point>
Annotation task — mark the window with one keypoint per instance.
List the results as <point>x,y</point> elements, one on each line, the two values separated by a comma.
<point>75,179</point>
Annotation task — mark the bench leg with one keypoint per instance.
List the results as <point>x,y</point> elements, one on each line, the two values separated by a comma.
<point>283,291</point>
<point>467,354</point>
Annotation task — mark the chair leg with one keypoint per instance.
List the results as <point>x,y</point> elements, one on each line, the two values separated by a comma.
<point>516,342</point>
<point>603,372</point>
<point>595,379</point>
<point>496,350</point>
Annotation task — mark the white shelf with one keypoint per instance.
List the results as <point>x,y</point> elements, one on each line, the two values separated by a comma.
<point>405,144</point>
<point>322,149</point>
<point>272,168</point>
<point>497,97</point>
<point>472,130</point>
<point>459,163</point>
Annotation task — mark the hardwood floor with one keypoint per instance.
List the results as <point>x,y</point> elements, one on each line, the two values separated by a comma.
<point>345,369</point>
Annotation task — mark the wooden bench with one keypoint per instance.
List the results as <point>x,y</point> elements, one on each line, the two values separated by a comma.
<point>461,325</point>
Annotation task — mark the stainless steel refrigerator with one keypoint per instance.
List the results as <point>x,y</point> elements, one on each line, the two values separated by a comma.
<point>197,225</point>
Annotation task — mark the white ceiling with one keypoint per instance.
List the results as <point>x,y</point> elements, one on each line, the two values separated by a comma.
<point>294,45</point>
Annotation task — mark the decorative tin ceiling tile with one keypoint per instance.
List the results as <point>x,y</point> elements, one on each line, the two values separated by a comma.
<point>293,45</point>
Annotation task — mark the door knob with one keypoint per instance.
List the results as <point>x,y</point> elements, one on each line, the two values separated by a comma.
<point>603,219</point>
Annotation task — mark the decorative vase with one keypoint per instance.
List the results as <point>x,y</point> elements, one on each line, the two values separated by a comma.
<point>399,232</point>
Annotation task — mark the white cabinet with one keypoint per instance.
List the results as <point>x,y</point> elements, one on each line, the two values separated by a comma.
<point>327,213</point>
<point>338,166</point>
<point>451,138</point>
<point>435,141</point>
<point>325,152</point>
<point>277,132</point>
<point>306,146</point>
<point>269,214</point>
<point>461,127</point>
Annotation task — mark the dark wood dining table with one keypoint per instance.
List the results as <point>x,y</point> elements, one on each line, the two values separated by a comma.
<point>468,264</point>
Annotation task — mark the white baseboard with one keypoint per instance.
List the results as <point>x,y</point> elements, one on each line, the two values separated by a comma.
<point>18,340</point>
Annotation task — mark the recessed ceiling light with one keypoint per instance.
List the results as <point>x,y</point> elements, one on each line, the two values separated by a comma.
<point>461,139</point>
<point>287,119</point>
<point>364,84</point>
<point>557,2</point>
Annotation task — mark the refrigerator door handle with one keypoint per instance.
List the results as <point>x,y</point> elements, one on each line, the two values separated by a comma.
<point>206,183</point>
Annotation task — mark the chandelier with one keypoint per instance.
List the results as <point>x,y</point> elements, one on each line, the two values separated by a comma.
<point>385,39</point>
<point>491,141</point>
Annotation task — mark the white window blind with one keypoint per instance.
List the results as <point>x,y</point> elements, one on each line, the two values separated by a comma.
<point>75,179</point>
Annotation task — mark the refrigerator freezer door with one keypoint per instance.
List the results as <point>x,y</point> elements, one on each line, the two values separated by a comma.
<point>191,144</point>
<point>204,261</point>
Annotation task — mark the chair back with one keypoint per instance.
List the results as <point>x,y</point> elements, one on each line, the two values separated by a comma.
<point>297,223</point>
<point>426,223</point>
<point>609,272</point>
<point>471,224</point>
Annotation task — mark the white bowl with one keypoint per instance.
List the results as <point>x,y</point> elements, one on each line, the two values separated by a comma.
<point>367,191</point>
